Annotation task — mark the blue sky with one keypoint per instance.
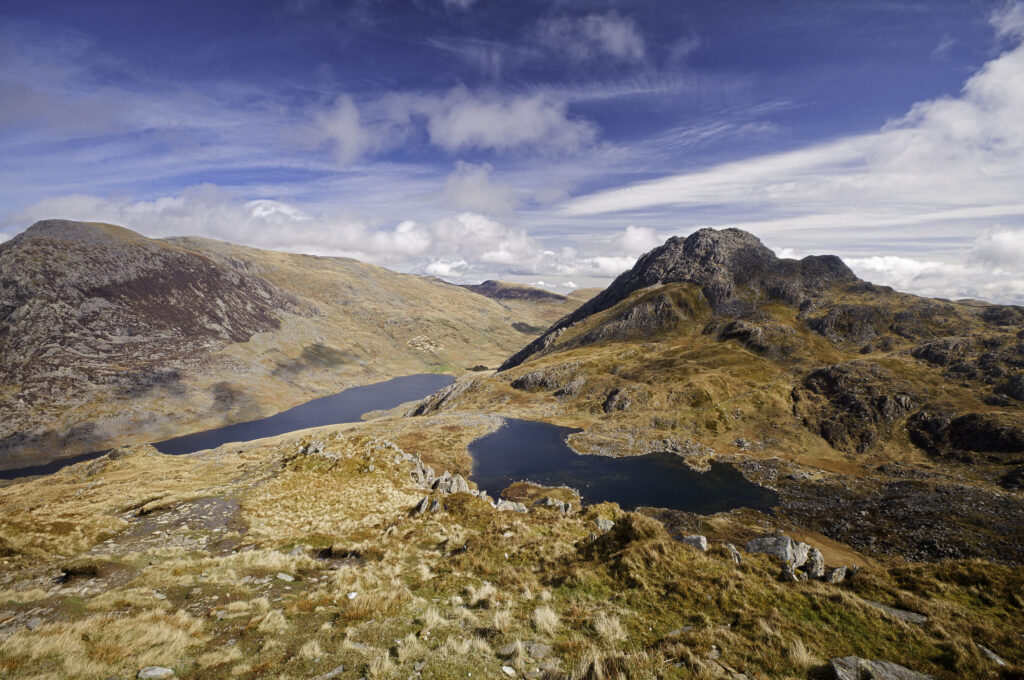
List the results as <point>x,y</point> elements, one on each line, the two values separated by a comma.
<point>534,141</point>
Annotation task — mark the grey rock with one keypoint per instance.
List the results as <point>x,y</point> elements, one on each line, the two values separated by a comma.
<point>435,506</point>
<point>780,547</point>
<point>815,566</point>
<point>855,668</point>
<point>331,674</point>
<point>604,525</point>
<point>449,483</point>
<point>563,507</point>
<point>788,573</point>
<point>697,541</point>
<point>837,575</point>
<point>155,673</point>
<point>509,506</point>
<point>537,650</point>
<point>572,388</point>
<point>422,506</point>
<point>509,671</point>
<point>901,614</point>
<point>734,554</point>
<point>990,655</point>
<point>34,623</point>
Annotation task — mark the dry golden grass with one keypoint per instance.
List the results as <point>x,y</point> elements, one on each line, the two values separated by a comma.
<point>101,644</point>
<point>545,620</point>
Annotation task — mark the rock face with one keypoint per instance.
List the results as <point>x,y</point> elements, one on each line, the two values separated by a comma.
<point>940,430</point>
<point>852,405</point>
<point>729,266</point>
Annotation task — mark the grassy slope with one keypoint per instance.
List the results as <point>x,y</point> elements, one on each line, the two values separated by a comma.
<point>445,590</point>
<point>357,324</point>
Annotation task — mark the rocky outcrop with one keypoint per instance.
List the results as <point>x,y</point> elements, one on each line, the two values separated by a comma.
<point>940,430</point>
<point>731,267</point>
<point>441,399</point>
<point>852,405</point>
<point>782,548</point>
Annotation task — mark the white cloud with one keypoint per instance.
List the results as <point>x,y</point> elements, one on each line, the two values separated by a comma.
<point>1000,249</point>
<point>1008,20</point>
<point>638,240</point>
<point>594,35</point>
<point>464,120</point>
<point>946,159</point>
<point>455,121</point>
<point>340,126</point>
<point>470,188</point>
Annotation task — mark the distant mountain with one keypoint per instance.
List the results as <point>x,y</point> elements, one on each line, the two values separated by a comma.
<point>501,290</point>
<point>108,337</point>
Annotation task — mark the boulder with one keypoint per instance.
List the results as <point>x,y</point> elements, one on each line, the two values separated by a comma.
<point>815,566</point>
<point>781,547</point>
<point>837,575</point>
<point>155,673</point>
<point>697,541</point>
<point>856,668</point>
<point>604,525</point>
<point>734,554</point>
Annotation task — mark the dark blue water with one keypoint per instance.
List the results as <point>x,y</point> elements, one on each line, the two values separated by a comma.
<point>526,450</point>
<point>345,407</point>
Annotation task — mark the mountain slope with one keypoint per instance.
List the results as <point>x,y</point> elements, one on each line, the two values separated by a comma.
<point>815,382</point>
<point>108,337</point>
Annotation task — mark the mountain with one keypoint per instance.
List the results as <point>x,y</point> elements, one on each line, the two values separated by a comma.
<point>830,388</point>
<point>108,337</point>
<point>365,550</point>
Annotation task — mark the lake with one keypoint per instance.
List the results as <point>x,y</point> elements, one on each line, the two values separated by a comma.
<point>525,450</point>
<point>344,407</point>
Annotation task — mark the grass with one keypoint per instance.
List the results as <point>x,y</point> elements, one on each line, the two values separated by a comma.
<point>448,591</point>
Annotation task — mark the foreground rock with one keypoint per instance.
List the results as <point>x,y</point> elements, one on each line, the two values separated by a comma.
<point>855,668</point>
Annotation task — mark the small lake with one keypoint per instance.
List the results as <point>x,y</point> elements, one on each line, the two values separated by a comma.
<point>525,450</point>
<point>345,407</point>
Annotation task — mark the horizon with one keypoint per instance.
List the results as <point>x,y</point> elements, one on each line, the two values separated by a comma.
<point>545,145</point>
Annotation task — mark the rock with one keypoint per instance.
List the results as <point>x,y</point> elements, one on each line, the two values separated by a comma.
<point>449,483</point>
<point>435,506</point>
<point>155,673</point>
<point>509,671</point>
<point>563,507</point>
<point>572,388</point>
<point>855,668</point>
<point>538,650</point>
<point>901,614</point>
<point>422,506</point>
<point>780,547</point>
<point>34,623</point>
<point>509,506</point>
<point>419,666</point>
<point>331,674</point>
<point>1014,479</point>
<point>837,575</point>
<point>734,554</point>
<point>788,573</point>
<point>815,566</point>
<point>990,655</point>
<point>697,541</point>
<point>604,525</point>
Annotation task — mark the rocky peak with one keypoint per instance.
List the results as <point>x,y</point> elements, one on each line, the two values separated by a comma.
<point>732,268</point>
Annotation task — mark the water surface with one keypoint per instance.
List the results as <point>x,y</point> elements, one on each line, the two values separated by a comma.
<point>525,450</point>
<point>345,407</point>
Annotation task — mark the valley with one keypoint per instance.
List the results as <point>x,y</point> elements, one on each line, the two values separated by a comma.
<point>832,483</point>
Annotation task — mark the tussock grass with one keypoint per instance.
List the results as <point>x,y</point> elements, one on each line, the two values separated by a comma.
<point>99,645</point>
<point>545,620</point>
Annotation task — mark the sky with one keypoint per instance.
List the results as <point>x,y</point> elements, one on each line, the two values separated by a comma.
<point>548,143</point>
